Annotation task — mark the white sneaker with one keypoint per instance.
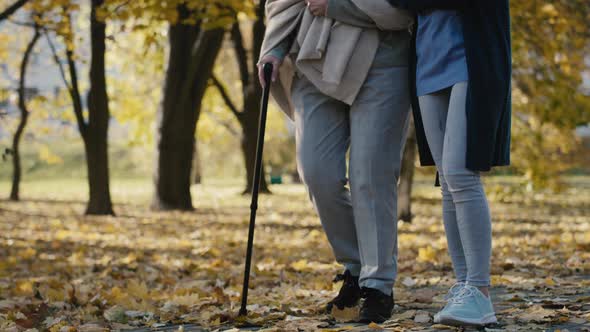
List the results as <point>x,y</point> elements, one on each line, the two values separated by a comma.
<point>468,307</point>
<point>453,291</point>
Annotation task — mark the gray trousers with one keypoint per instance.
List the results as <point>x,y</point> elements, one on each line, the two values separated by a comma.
<point>360,223</point>
<point>466,213</point>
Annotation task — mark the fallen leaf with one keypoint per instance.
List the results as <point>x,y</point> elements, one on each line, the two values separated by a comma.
<point>537,314</point>
<point>345,315</point>
<point>408,282</point>
<point>422,318</point>
<point>375,326</point>
<point>116,314</point>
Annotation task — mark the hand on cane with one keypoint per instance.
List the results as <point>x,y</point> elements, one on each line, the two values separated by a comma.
<point>276,63</point>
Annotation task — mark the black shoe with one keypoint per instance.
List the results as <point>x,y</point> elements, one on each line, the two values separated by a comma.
<point>376,306</point>
<point>350,292</point>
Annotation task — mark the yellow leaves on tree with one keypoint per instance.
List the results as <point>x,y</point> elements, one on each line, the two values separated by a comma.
<point>550,45</point>
<point>213,13</point>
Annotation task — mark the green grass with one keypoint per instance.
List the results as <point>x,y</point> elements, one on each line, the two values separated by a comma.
<point>124,161</point>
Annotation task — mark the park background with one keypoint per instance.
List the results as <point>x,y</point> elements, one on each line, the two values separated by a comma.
<point>128,133</point>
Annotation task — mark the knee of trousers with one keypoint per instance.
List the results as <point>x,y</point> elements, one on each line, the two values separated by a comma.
<point>444,188</point>
<point>321,178</point>
<point>462,183</point>
<point>369,180</point>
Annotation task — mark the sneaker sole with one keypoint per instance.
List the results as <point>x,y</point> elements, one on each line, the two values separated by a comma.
<point>459,321</point>
<point>436,319</point>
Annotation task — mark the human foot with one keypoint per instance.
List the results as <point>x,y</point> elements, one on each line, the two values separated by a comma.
<point>376,306</point>
<point>349,294</point>
<point>469,307</point>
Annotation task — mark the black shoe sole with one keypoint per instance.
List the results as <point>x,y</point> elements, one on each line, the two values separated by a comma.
<point>366,318</point>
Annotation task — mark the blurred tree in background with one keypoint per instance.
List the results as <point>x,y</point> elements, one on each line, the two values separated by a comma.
<point>195,35</point>
<point>56,16</point>
<point>24,114</point>
<point>249,113</point>
<point>551,40</point>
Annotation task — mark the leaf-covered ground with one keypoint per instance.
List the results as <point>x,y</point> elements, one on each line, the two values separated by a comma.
<point>61,271</point>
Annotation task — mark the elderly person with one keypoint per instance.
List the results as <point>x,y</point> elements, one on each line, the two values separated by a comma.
<point>341,69</point>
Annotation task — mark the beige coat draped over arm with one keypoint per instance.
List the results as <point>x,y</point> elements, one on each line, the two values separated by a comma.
<point>333,56</point>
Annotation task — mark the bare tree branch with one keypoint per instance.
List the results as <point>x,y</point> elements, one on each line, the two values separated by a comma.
<point>73,88</point>
<point>22,105</point>
<point>76,97</point>
<point>75,91</point>
<point>258,31</point>
<point>226,125</point>
<point>21,23</point>
<point>241,54</point>
<point>23,71</point>
<point>224,94</point>
<point>58,62</point>
<point>12,9</point>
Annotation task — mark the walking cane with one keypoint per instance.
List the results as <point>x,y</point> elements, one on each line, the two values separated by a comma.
<point>256,184</point>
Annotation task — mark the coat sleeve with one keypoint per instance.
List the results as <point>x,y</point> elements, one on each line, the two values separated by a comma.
<point>283,48</point>
<point>419,5</point>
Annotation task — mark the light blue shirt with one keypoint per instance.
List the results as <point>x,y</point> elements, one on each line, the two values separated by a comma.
<point>440,50</point>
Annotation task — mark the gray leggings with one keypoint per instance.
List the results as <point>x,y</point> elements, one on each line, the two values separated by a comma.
<point>466,213</point>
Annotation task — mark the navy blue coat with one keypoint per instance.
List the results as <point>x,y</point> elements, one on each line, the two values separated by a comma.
<point>486,30</point>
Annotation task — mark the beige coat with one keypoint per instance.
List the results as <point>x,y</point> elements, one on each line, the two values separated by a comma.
<point>335,57</point>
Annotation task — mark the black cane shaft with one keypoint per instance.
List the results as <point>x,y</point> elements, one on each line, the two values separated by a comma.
<point>268,68</point>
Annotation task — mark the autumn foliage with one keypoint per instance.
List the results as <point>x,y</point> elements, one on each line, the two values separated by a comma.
<point>62,271</point>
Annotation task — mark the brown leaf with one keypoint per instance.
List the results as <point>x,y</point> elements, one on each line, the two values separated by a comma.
<point>345,315</point>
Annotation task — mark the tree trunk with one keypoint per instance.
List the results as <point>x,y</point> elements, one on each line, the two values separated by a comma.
<point>249,121</point>
<point>407,176</point>
<point>190,63</point>
<point>252,99</point>
<point>197,170</point>
<point>252,94</point>
<point>22,104</point>
<point>96,139</point>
